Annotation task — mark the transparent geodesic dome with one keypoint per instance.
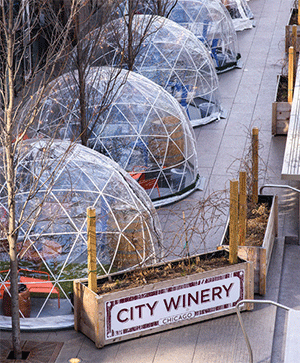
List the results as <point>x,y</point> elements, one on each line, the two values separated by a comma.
<point>240,13</point>
<point>144,129</point>
<point>59,181</point>
<point>170,56</point>
<point>211,23</point>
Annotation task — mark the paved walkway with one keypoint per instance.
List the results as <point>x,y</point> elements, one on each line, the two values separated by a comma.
<point>247,96</point>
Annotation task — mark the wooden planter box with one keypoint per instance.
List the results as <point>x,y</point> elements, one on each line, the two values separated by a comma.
<point>281,112</point>
<point>260,256</point>
<point>288,31</point>
<point>155,307</point>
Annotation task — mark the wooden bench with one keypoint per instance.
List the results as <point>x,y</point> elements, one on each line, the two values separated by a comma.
<point>292,336</point>
<point>41,285</point>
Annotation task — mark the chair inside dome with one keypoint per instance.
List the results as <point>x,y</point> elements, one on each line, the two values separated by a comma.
<point>211,23</point>
<point>240,13</point>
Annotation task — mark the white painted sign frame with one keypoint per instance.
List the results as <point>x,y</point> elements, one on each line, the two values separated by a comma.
<point>92,318</point>
<point>186,301</point>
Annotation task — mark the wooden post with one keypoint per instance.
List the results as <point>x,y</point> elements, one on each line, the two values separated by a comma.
<point>298,12</point>
<point>291,75</point>
<point>295,46</point>
<point>233,222</point>
<point>255,164</point>
<point>242,207</point>
<point>91,240</point>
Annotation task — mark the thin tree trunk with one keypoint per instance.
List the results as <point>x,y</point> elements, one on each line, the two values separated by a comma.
<point>130,36</point>
<point>82,100</point>
<point>159,8</point>
<point>81,84</point>
<point>16,336</point>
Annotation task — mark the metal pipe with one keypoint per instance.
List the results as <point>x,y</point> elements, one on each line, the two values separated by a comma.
<point>242,324</point>
<point>278,186</point>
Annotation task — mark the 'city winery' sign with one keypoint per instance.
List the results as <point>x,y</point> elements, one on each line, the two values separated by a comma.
<point>174,304</point>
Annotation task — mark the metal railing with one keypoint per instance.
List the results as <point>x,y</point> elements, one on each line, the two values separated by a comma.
<point>242,324</point>
<point>284,186</point>
<point>278,186</point>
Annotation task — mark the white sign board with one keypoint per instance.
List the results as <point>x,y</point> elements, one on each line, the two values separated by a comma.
<point>173,304</point>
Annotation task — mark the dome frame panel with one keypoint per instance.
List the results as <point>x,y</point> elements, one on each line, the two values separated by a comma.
<point>126,222</point>
<point>170,56</point>
<point>157,146</point>
<point>210,21</point>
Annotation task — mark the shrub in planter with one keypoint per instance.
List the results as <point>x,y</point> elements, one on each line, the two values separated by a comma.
<point>198,292</point>
<point>281,108</point>
<point>292,20</point>
<point>258,250</point>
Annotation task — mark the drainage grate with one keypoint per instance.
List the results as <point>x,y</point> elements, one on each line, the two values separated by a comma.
<point>11,356</point>
<point>32,352</point>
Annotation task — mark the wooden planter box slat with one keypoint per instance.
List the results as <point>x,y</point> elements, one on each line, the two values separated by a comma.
<point>281,112</point>
<point>259,256</point>
<point>166,304</point>
<point>288,32</point>
<point>86,308</point>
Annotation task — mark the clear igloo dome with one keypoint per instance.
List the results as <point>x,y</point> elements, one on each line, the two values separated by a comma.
<point>170,56</point>
<point>144,129</point>
<point>240,13</point>
<point>52,239</point>
<point>211,23</point>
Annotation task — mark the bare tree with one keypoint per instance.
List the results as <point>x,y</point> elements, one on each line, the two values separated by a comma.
<point>92,15</point>
<point>245,163</point>
<point>90,29</point>
<point>158,7</point>
<point>127,35</point>
<point>36,39</point>
<point>96,25</point>
<point>24,26</point>
<point>194,223</point>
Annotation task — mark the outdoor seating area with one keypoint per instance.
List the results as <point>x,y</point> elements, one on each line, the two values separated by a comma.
<point>210,21</point>
<point>171,56</point>
<point>54,252</point>
<point>41,285</point>
<point>146,143</point>
<point>240,13</point>
<point>141,119</point>
<point>144,130</point>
